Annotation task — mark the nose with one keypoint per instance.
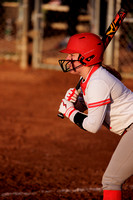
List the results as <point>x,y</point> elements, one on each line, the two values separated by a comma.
<point>68,57</point>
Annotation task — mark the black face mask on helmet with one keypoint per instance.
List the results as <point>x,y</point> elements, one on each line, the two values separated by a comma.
<point>65,64</point>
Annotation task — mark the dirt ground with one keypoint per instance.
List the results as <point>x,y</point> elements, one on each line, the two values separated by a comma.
<point>41,155</point>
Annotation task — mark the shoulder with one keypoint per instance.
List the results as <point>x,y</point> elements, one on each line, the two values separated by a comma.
<point>100,77</point>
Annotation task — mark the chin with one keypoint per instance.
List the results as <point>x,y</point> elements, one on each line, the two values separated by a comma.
<point>73,72</point>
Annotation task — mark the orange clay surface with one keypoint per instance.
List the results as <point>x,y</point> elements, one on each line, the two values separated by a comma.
<point>41,155</point>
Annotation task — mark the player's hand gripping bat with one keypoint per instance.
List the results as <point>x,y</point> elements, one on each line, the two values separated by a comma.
<point>109,34</point>
<point>77,88</point>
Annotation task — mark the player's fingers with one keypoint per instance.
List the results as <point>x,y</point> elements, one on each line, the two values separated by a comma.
<point>72,95</point>
<point>73,99</point>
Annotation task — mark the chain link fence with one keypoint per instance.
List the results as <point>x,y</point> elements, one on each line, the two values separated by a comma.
<point>8,31</point>
<point>126,46</point>
<point>55,27</point>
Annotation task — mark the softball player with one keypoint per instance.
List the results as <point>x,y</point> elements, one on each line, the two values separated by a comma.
<point>108,102</point>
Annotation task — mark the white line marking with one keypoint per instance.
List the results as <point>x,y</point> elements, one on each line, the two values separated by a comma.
<point>7,194</point>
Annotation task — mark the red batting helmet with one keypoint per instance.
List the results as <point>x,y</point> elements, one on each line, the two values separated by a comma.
<point>88,45</point>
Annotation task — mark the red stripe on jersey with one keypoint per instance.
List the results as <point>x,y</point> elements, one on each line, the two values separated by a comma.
<point>99,103</point>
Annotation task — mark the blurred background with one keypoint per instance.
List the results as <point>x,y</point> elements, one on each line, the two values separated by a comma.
<point>33,31</point>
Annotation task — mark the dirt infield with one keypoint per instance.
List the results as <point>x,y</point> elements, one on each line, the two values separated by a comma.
<point>41,155</point>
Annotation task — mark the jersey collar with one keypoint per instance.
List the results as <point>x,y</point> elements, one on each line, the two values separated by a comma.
<point>83,84</point>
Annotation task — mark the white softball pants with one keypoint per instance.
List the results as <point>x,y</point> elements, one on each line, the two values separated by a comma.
<point>120,167</point>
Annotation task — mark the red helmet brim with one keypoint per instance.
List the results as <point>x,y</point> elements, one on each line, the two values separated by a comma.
<point>69,51</point>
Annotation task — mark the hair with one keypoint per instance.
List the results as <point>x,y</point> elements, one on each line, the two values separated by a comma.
<point>112,71</point>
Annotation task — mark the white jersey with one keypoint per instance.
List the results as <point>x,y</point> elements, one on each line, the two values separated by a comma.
<point>108,100</point>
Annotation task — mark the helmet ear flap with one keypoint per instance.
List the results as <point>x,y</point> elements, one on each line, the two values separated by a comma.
<point>83,60</point>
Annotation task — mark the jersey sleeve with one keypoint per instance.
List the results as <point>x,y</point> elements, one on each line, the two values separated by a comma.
<point>97,98</point>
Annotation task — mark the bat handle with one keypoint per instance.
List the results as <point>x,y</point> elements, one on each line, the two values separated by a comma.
<point>60,115</point>
<point>79,90</point>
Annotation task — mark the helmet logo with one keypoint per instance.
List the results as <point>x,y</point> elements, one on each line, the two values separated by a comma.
<point>90,58</point>
<point>81,59</point>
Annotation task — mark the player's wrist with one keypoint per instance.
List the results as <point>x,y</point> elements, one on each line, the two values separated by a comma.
<point>69,111</point>
<point>73,115</point>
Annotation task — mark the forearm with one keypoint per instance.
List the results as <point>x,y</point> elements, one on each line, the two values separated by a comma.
<point>91,121</point>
